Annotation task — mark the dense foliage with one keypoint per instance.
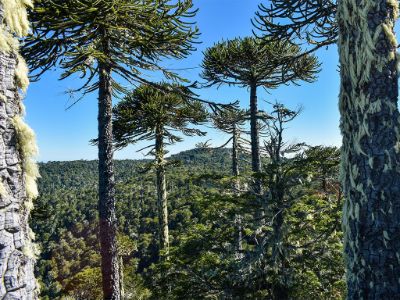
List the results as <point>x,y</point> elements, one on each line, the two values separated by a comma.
<point>203,264</point>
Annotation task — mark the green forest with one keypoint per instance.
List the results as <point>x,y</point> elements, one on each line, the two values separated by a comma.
<point>250,212</point>
<point>205,261</point>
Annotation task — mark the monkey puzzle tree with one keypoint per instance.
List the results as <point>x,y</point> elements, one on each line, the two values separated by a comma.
<point>100,40</point>
<point>370,151</point>
<point>251,62</point>
<point>18,171</point>
<point>230,120</point>
<point>150,114</point>
<point>282,176</point>
<point>369,125</point>
<point>309,20</point>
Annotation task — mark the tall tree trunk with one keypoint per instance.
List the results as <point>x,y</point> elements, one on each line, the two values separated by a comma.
<point>121,272</point>
<point>108,221</point>
<point>370,167</point>
<point>255,137</point>
<point>235,153</point>
<point>162,192</point>
<point>279,288</point>
<point>17,172</point>
<point>255,151</point>
<point>235,172</point>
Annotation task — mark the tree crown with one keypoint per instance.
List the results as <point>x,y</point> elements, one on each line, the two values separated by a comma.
<point>253,61</point>
<point>146,109</point>
<point>309,20</point>
<point>127,36</point>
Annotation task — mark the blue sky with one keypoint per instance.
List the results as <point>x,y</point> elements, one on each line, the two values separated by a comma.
<point>64,134</point>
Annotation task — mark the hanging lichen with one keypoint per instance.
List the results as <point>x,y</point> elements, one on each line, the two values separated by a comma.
<point>15,16</point>
<point>28,150</point>
<point>16,22</point>
<point>21,74</point>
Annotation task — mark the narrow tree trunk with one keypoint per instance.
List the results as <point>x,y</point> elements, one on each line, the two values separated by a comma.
<point>162,192</point>
<point>235,153</point>
<point>370,154</point>
<point>108,221</point>
<point>255,137</point>
<point>279,288</point>
<point>255,151</point>
<point>121,272</point>
<point>235,172</point>
<point>17,176</point>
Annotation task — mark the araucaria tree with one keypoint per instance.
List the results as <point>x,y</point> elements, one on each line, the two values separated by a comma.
<point>252,63</point>
<point>18,171</point>
<point>309,20</point>
<point>370,123</point>
<point>151,114</point>
<point>99,40</point>
<point>231,121</point>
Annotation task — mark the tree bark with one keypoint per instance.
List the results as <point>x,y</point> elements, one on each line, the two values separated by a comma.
<point>162,192</point>
<point>255,151</point>
<point>370,170</point>
<point>279,288</point>
<point>255,137</point>
<point>108,221</point>
<point>17,255</point>
<point>236,173</point>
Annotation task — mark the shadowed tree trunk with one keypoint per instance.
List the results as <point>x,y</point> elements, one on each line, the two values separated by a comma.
<point>17,172</point>
<point>279,289</point>
<point>370,153</point>
<point>236,173</point>
<point>255,138</point>
<point>161,192</point>
<point>255,152</point>
<point>108,221</point>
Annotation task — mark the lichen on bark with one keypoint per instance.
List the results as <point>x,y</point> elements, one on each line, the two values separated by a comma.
<point>18,171</point>
<point>370,164</point>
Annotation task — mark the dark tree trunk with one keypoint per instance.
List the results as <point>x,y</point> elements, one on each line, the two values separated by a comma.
<point>235,152</point>
<point>235,172</point>
<point>255,137</point>
<point>255,152</point>
<point>107,217</point>
<point>279,288</point>
<point>162,192</point>
<point>370,153</point>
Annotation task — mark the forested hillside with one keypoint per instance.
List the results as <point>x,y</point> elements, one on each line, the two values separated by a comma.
<point>266,215</point>
<point>203,263</point>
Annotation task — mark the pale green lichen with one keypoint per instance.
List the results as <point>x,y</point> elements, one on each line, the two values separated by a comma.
<point>28,150</point>
<point>21,74</point>
<point>3,98</point>
<point>16,22</point>
<point>31,250</point>
<point>15,15</point>
<point>3,190</point>
<point>7,41</point>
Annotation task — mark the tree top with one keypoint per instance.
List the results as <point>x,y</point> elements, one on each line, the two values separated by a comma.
<point>253,61</point>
